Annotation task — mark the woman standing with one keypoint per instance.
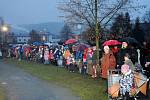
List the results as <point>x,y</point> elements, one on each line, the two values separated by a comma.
<point>108,61</point>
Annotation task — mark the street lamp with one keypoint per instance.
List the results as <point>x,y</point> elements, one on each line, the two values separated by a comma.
<point>3,30</point>
<point>43,38</point>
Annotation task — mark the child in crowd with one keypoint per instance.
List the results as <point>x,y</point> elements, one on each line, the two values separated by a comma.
<point>46,56</point>
<point>126,82</point>
<point>128,61</point>
<point>84,68</point>
<point>72,62</point>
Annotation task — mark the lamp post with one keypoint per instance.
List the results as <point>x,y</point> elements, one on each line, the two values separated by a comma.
<point>3,30</point>
<point>43,38</point>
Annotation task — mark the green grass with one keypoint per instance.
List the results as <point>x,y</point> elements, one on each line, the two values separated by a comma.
<point>83,86</point>
<point>2,94</point>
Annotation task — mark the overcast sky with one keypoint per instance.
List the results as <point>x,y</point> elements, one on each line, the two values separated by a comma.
<point>29,11</point>
<point>34,11</point>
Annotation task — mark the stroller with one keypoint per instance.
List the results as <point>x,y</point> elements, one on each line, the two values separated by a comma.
<point>139,86</point>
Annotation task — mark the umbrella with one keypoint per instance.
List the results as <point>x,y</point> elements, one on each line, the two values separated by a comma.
<point>70,41</point>
<point>81,46</point>
<point>111,43</point>
<point>37,43</point>
<point>129,40</point>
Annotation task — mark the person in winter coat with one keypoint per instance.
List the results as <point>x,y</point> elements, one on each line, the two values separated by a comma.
<point>60,59</point>
<point>71,63</point>
<point>67,54</point>
<point>27,52</point>
<point>128,61</point>
<point>133,54</point>
<point>16,52</point>
<point>120,56</point>
<point>108,61</point>
<point>46,56</point>
<point>56,53</point>
<point>115,51</point>
<point>94,63</point>
<point>145,51</point>
<point>126,82</point>
<point>89,61</point>
<point>21,51</point>
<point>1,55</point>
<point>51,56</point>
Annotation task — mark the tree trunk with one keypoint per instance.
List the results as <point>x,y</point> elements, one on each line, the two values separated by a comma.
<point>97,31</point>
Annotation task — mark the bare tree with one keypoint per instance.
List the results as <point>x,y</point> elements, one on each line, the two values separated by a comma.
<point>146,17</point>
<point>95,14</point>
<point>77,11</point>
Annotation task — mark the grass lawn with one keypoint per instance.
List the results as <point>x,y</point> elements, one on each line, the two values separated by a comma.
<point>83,86</point>
<point>2,94</point>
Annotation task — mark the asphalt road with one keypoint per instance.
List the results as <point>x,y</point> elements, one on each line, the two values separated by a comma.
<point>20,85</point>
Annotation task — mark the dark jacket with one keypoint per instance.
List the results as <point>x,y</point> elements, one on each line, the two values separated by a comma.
<point>120,56</point>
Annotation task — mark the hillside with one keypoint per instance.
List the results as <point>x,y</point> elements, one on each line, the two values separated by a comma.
<point>52,27</point>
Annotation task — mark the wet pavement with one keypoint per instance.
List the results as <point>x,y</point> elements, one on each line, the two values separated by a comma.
<point>20,85</point>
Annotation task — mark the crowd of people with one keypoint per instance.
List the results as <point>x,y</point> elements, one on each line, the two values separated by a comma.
<point>127,58</point>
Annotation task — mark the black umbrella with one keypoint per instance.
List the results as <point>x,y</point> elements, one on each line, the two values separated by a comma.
<point>82,46</point>
<point>129,40</point>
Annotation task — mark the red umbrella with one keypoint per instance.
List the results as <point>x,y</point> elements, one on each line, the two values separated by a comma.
<point>70,41</point>
<point>111,43</point>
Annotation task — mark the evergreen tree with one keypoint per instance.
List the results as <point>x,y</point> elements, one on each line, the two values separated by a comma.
<point>122,26</point>
<point>138,33</point>
<point>146,17</point>
<point>127,25</point>
<point>117,27</point>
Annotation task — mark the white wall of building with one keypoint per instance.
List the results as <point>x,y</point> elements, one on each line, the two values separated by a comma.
<point>23,39</point>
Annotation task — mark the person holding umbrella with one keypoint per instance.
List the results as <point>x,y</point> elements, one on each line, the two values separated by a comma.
<point>108,61</point>
<point>120,56</point>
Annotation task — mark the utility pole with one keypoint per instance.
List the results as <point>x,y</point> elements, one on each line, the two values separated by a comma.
<point>97,31</point>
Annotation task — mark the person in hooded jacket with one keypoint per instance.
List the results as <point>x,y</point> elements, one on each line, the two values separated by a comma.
<point>126,81</point>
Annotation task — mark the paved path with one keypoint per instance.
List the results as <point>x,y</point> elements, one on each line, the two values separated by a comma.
<point>20,85</point>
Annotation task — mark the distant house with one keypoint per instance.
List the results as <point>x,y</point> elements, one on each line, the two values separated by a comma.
<point>11,38</point>
<point>55,38</point>
<point>22,38</point>
<point>48,37</point>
